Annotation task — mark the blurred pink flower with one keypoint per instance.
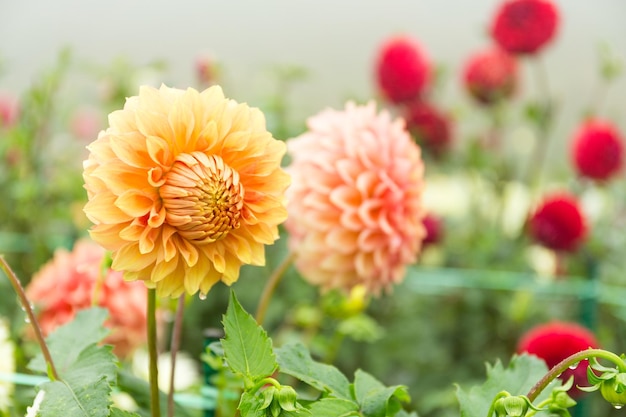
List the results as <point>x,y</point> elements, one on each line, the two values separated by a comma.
<point>431,127</point>
<point>403,70</point>
<point>525,26</point>
<point>9,110</point>
<point>597,150</point>
<point>491,75</point>
<point>558,222</point>
<point>86,123</point>
<point>355,204</point>
<point>71,282</point>
<point>206,70</point>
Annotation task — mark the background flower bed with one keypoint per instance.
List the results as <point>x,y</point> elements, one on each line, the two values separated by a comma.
<point>471,326</point>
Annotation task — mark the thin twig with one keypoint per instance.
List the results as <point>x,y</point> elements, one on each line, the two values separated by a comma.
<point>17,285</point>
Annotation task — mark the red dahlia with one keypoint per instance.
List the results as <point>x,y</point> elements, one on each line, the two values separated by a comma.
<point>554,342</point>
<point>597,150</point>
<point>491,75</point>
<point>558,223</point>
<point>524,26</point>
<point>434,230</point>
<point>402,69</point>
<point>429,126</point>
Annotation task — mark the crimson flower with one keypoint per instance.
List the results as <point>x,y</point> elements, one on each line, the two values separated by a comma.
<point>554,342</point>
<point>429,126</point>
<point>491,75</point>
<point>402,69</point>
<point>434,230</point>
<point>597,150</point>
<point>558,223</point>
<point>524,26</point>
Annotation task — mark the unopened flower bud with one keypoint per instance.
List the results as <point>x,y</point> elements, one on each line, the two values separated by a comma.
<point>287,398</point>
<point>268,396</point>
<point>511,407</point>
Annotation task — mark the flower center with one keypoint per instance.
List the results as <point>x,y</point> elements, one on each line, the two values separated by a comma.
<point>202,197</point>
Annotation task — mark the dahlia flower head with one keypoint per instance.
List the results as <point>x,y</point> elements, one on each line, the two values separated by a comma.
<point>355,206</point>
<point>73,281</point>
<point>491,75</point>
<point>556,341</point>
<point>430,126</point>
<point>185,187</point>
<point>525,26</point>
<point>597,150</point>
<point>403,70</point>
<point>558,222</point>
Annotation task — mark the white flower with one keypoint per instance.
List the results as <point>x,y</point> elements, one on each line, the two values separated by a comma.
<point>7,364</point>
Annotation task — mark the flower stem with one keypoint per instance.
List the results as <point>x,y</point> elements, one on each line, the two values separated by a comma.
<point>559,368</point>
<point>155,404</point>
<point>174,346</point>
<point>270,286</point>
<point>17,285</point>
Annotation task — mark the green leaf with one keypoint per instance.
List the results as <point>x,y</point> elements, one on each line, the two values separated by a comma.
<point>334,407</point>
<point>67,342</point>
<point>251,404</point>
<point>375,399</point>
<point>116,412</point>
<point>518,378</point>
<point>295,360</point>
<point>85,370</point>
<point>247,347</point>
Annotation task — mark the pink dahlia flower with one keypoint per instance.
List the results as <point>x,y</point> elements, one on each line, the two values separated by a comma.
<point>9,110</point>
<point>559,223</point>
<point>554,342</point>
<point>430,126</point>
<point>597,150</point>
<point>524,26</point>
<point>491,75</point>
<point>355,204</point>
<point>72,281</point>
<point>402,69</point>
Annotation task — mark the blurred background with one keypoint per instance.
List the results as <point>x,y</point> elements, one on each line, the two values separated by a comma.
<point>71,63</point>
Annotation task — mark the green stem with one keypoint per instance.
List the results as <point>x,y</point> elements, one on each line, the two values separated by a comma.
<point>174,347</point>
<point>155,404</point>
<point>265,381</point>
<point>559,368</point>
<point>17,286</point>
<point>531,412</point>
<point>270,287</point>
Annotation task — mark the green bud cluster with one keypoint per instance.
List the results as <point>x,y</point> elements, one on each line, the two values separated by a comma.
<point>278,399</point>
<point>610,381</point>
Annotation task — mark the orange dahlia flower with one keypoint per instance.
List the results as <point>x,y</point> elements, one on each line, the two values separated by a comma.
<point>73,281</point>
<point>355,206</point>
<point>184,187</point>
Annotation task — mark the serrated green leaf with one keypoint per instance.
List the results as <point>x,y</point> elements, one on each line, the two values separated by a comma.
<point>85,370</point>
<point>375,399</point>
<point>87,400</point>
<point>334,407</point>
<point>116,412</point>
<point>247,347</point>
<point>295,360</point>
<point>522,373</point>
<point>250,405</point>
<point>68,341</point>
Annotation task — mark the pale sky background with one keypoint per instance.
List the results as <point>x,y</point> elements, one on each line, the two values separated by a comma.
<point>334,39</point>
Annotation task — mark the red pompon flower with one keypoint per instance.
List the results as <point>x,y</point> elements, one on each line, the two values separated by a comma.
<point>402,69</point>
<point>554,342</point>
<point>525,26</point>
<point>558,223</point>
<point>491,75</point>
<point>429,126</point>
<point>597,150</point>
<point>434,230</point>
